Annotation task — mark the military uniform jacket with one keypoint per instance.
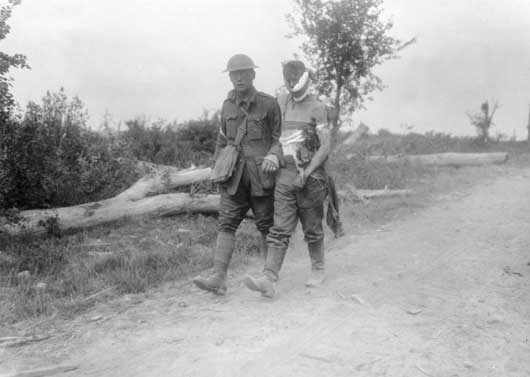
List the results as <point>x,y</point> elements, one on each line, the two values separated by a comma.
<point>262,137</point>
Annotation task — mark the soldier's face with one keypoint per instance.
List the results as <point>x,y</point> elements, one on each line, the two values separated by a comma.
<point>242,80</point>
<point>291,78</point>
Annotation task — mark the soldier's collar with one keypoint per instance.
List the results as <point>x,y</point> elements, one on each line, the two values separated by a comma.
<point>249,98</point>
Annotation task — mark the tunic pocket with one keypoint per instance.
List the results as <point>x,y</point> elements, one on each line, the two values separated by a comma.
<point>255,126</point>
<point>232,123</point>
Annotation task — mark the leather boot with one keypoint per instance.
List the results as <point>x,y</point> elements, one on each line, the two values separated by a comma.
<point>216,282</point>
<point>316,253</point>
<point>266,284</point>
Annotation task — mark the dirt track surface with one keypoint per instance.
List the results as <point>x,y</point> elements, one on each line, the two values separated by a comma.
<point>443,292</point>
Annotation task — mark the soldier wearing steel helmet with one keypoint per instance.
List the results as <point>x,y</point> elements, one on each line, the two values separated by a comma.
<point>252,182</point>
<point>302,183</point>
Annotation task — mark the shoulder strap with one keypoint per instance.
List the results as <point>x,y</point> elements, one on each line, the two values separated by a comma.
<point>242,129</point>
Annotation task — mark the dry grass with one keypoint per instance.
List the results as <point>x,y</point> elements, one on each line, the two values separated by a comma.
<point>48,276</point>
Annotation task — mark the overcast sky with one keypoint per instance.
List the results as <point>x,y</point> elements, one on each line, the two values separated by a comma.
<point>164,58</point>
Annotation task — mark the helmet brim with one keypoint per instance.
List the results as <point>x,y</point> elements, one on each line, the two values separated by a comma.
<point>240,68</point>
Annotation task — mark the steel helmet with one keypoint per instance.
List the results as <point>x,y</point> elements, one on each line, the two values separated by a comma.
<point>294,66</point>
<point>239,62</point>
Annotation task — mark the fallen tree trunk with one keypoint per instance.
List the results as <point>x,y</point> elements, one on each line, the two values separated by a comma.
<point>98,213</point>
<point>362,195</point>
<point>446,159</point>
<point>132,202</point>
<point>91,214</point>
<point>87,215</point>
<point>162,180</point>
<point>377,194</point>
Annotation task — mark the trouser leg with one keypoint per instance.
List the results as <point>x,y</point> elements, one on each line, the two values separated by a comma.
<point>285,220</point>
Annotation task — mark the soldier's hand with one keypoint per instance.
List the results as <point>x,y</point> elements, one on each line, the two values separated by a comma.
<point>300,180</point>
<point>270,164</point>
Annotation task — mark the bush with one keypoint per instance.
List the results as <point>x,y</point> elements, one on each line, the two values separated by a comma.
<point>180,145</point>
<point>387,143</point>
<point>49,158</point>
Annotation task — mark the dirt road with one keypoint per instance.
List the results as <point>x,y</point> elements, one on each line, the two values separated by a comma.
<point>443,292</point>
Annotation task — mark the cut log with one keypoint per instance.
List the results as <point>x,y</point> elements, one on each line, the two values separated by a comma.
<point>162,180</point>
<point>132,202</point>
<point>446,159</point>
<point>362,195</point>
<point>87,215</point>
<point>377,194</point>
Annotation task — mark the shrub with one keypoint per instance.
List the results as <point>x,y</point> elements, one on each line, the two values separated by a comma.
<point>181,145</point>
<point>50,158</point>
<point>387,143</point>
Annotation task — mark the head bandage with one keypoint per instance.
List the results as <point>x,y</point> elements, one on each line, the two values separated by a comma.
<point>301,83</point>
<point>299,86</point>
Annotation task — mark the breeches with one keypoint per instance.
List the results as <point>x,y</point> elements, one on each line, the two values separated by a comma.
<point>234,208</point>
<point>291,204</point>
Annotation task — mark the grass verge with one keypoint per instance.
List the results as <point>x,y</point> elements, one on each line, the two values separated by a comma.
<point>65,275</point>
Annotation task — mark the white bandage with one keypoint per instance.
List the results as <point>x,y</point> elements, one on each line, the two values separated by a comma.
<point>299,86</point>
<point>301,83</point>
<point>295,137</point>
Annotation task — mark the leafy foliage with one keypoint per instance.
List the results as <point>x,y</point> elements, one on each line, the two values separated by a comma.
<point>50,158</point>
<point>344,41</point>
<point>6,62</point>
<point>483,120</point>
<point>192,142</point>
